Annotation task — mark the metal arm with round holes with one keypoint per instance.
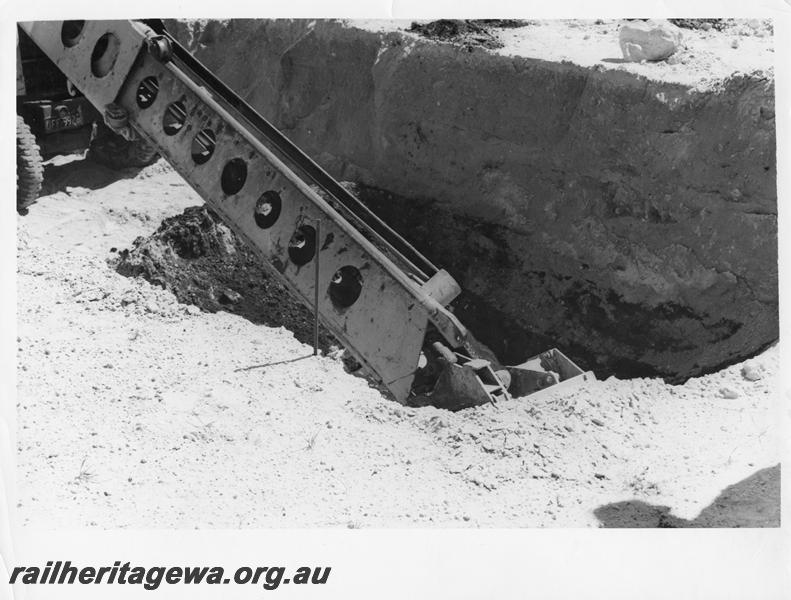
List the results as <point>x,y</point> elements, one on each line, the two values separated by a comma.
<point>376,293</point>
<point>371,295</point>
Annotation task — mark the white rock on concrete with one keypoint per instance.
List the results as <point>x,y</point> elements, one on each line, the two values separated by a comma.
<point>648,40</point>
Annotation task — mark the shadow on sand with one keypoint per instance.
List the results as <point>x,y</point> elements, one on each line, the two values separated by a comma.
<point>81,172</point>
<point>752,502</point>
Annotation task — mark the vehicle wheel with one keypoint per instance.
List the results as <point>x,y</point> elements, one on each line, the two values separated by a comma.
<point>29,167</point>
<point>110,149</point>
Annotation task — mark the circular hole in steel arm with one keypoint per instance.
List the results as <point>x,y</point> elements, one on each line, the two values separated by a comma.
<point>302,246</point>
<point>147,92</point>
<point>70,32</point>
<point>203,146</point>
<point>267,209</point>
<point>104,54</point>
<point>234,174</point>
<point>175,117</point>
<point>346,286</point>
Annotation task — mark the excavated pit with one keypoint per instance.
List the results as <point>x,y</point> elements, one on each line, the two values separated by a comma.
<point>630,222</point>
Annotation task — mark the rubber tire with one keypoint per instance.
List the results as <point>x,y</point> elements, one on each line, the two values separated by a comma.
<point>111,150</point>
<point>29,167</point>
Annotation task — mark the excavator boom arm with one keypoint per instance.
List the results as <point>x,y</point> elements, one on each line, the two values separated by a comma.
<point>377,294</point>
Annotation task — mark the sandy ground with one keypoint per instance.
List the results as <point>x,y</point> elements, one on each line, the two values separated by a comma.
<point>137,411</point>
<point>703,58</point>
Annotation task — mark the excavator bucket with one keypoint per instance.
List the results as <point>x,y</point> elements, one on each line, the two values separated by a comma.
<point>464,382</point>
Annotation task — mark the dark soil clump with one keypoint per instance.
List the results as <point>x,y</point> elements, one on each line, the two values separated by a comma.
<point>468,33</point>
<point>717,24</point>
<point>200,260</point>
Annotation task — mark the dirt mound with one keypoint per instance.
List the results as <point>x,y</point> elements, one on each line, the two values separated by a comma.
<point>739,27</point>
<point>468,33</point>
<point>705,24</point>
<point>199,259</point>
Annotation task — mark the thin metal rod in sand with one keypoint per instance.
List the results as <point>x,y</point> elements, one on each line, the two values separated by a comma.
<point>272,364</point>
<point>316,292</point>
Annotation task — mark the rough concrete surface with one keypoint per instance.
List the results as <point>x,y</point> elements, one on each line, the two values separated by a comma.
<point>624,212</point>
<point>135,410</point>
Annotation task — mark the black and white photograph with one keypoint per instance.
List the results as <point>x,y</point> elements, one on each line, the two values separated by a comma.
<point>357,273</point>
